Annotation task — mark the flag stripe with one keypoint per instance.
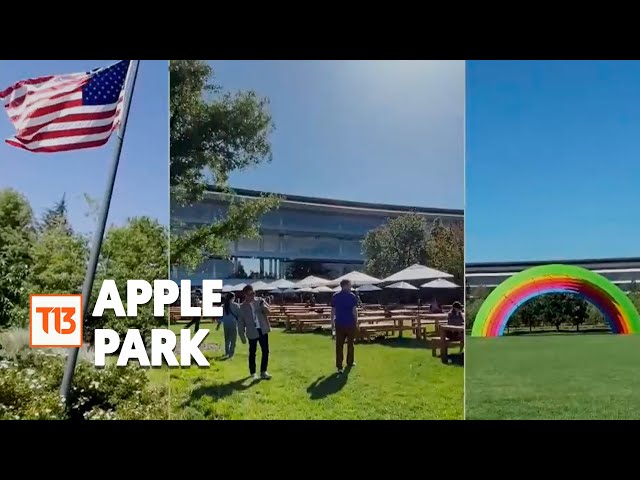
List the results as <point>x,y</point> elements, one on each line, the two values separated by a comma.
<point>70,132</point>
<point>30,81</point>
<point>35,112</point>
<point>74,101</point>
<point>31,122</point>
<point>33,95</point>
<point>50,82</point>
<point>63,147</point>
<point>53,142</point>
<point>71,118</point>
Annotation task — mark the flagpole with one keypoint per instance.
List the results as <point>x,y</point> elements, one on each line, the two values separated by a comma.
<point>94,256</point>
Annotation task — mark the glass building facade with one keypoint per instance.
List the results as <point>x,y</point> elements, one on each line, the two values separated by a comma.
<point>324,232</point>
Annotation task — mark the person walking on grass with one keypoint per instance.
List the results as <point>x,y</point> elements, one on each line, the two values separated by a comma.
<point>229,322</point>
<point>344,321</point>
<point>253,323</point>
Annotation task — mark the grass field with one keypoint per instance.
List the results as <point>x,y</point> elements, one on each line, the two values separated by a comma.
<point>553,376</point>
<point>394,379</point>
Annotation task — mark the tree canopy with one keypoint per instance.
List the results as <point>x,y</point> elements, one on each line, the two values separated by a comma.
<point>398,244</point>
<point>445,249</point>
<point>17,234</point>
<point>213,133</point>
<point>409,239</point>
<point>53,259</point>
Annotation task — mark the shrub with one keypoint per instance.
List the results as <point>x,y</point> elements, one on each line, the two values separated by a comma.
<point>29,383</point>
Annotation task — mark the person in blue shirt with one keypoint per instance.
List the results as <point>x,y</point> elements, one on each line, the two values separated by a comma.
<point>344,321</point>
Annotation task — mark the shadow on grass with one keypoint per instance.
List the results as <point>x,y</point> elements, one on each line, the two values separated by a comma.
<point>397,342</point>
<point>219,391</point>
<point>555,333</point>
<point>394,342</point>
<point>456,359</point>
<point>307,331</point>
<point>322,387</point>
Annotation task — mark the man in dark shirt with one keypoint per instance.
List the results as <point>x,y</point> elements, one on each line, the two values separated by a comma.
<point>344,320</point>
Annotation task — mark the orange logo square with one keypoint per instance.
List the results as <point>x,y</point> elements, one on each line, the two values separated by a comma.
<point>55,321</point>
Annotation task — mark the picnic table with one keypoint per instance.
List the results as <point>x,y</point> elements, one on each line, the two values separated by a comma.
<point>419,323</point>
<point>445,343</point>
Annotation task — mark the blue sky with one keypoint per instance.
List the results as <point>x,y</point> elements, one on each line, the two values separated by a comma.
<point>377,131</point>
<point>142,184</point>
<point>552,160</point>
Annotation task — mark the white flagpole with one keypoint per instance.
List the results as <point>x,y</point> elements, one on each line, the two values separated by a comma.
<point>72,357</point>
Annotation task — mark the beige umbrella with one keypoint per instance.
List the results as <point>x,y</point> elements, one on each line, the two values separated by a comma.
<point>312,282</point>
<point>401,286</point>
<point>261,286</point>
<point>322,289</point>
<point>356,278</point>
<point>238,288</point>
<point>415,273</point>
<point>368,288</point>
<point>283,284</point>
<point>440,283</point>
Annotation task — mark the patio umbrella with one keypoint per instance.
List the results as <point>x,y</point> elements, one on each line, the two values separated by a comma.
<point>312,282</point>
<point>322,289</point>
<point>401,286</point>
<point>227,288</point>
<point>368,288</point>
<point>261,286</point>
<point>440,283</point>
<point>238,288</point>
<point>283,284</point>
<point>416,272</point>
<point>305,290</point>
<point>290,290</point>
<point>356,278</point>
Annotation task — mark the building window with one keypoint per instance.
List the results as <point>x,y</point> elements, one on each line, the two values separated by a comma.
<point>249,245</point>
<point>270,243</point>
<point>310,247</point>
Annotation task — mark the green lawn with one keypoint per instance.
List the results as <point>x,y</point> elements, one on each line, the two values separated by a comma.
<point>392,380</point>
<point>563,376</point>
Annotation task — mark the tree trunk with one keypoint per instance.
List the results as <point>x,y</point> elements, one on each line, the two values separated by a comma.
<point>577,327</point>
<point>557,327</point>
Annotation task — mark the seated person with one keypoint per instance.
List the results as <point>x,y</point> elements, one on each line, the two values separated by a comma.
<point>434,307</point>
<point>455,317</point>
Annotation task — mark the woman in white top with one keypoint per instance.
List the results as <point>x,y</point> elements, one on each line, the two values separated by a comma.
<point>229,322</point>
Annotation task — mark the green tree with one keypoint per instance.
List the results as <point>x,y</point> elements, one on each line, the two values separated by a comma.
<point>396,245</point>
<point>213,133</point>
<point>59,258</point>
<point>56,216</point>
<point>17,235</point>
<point>137,250</point>
<point>529,314</point>
<point>473,304</point>
<point>594,316</point>
<point>577,310</point>
<point>445,249</point>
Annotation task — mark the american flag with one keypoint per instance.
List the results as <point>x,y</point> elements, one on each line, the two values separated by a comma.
<point>58,113</point>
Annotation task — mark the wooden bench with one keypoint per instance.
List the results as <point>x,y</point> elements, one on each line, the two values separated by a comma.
<point>175,317</point>
<point>443,343</point>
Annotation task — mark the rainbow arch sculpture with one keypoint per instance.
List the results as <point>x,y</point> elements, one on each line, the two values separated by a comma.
<point>507,297</point>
